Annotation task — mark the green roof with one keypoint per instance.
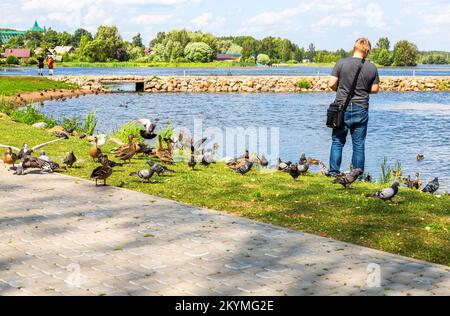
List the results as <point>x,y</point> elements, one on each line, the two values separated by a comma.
<point>37,28</point>
<point>5,35</point>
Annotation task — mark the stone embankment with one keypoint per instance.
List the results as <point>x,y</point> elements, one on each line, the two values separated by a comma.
<point>251,84</point>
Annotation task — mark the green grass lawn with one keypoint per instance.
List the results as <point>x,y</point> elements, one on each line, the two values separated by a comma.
<point>11,85</point>
<point>416,225</point>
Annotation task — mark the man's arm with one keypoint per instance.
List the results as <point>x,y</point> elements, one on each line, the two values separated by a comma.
<point>333,83</point>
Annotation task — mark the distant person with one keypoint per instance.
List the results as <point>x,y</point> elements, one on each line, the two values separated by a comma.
<point>40,60</point>
<point>51,63</point>
<point>357,114</point>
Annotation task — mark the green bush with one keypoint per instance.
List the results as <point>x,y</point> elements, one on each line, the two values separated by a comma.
<point>31,115</point>
<point>71,122</point>
<point>442,85</point>
<point>32,61</point>
<point>263,59</point>
<point>12,60</point>
<point>303,84</point>
<point>198,52</point>
<point>127,129</point>
<point>90,123</point>
<point>6,106</point>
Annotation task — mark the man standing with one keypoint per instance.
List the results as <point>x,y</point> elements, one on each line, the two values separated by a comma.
<point>40,60</point>
<point>357,113</point>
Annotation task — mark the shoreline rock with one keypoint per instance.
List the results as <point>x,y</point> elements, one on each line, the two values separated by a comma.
<point>251,84</point>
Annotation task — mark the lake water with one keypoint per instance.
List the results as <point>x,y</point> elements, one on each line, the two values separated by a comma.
<point>401,126</point>
<point>422,70</point>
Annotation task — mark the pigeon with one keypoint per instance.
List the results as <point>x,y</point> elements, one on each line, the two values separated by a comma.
<point>70,159</point>
<point>148,133</point>
<point>303,168</point>
<point>192,163</point>
<point>386,194</point>
<point>205,158</point>
<point>347,179</point>
<point>283,166</point>
<point>159,169</point>
<point>243,169</point>
<point>263,161</point>
<point>43,156</point>
<point>293,171</point>
<point>143,174</point>
<point>302,159</point>
<point>432,186</point>
<point>323,169</point>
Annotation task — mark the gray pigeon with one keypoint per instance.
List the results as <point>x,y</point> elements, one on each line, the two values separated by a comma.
<point>144,174</point>
<point>432,186</point>
<point>303,168</point>
<point>347,179</point>
<point>386,194</point>
<point>244,168</point>
<point>158,168</point>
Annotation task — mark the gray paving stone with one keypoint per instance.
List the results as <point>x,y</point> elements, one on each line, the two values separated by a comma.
<point>125,245</point>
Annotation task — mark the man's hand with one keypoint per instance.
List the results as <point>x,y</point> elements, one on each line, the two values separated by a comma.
<point>375,88</point>
<point>333,83</point>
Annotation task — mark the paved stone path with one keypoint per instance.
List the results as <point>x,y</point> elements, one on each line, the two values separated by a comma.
<point>62,236</point>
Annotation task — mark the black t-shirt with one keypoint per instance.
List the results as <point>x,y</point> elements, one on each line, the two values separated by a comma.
<point>40,62</point>
<point>345,70</point>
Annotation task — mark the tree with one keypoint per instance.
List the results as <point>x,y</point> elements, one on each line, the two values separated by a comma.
<point>198,52</point>
<point>383,43</point>
<point>65,39</point>
<point>51,38</point>
<point>137,40</point>
<point>285,50</point>
<point>263,59</point>
<point>78,34</point>
<point>405,54</point>
<point>311,52</point>
<point>223,46</point>
<point>248,48</point>
<point>384,57</point>
<point>234,49</point>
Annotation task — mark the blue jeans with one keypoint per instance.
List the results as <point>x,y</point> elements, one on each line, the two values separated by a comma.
<point>356,119</point>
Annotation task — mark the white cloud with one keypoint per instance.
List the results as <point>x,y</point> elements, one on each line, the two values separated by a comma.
<point>152,18</point>
<point>208,20</point>
<point>269,18</point>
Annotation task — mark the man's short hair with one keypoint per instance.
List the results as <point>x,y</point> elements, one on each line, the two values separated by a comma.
<point>363,45</point>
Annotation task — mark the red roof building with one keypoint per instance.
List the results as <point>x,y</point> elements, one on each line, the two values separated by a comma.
<point>18,52</point>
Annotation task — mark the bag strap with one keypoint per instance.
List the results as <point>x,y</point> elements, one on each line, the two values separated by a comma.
<point>353,88</point>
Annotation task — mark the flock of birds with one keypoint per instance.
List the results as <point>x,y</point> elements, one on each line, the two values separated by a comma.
<point>164,153</point>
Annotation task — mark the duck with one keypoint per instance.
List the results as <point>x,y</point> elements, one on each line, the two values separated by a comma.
<point>244,168</point>
<point>283,166</point>
<point>420,157</point>
<point>10,157</point>
<point>417,182</point>
<point>102,172</point>
<point>313,161</point>
<point>104,160</point>
<point>95,152</point>
<point>70,159</point>
<point>303,168</point>
<point>165,155</point>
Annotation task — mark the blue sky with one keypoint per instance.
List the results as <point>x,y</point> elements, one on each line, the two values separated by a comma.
<point>329,24</point>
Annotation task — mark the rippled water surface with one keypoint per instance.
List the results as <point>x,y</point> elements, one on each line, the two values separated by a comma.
<point>401,124</point>
<point>422,70</point>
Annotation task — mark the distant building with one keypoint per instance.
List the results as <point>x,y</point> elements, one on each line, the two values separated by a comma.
<point>222,57</point>
<point>18,52</point>
<point>7,34</point>
<point>61,50</point>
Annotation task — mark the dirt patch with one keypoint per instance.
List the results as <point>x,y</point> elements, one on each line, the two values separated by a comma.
<point>24,98</point>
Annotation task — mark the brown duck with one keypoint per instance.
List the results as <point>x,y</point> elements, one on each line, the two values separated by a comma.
<point>165,155</point>
<point>102,172</point>
<point>10,157</point>
<point>95,151</point>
